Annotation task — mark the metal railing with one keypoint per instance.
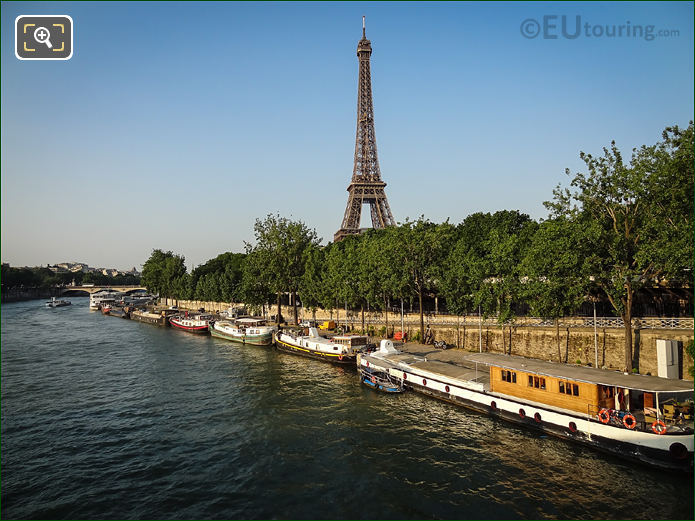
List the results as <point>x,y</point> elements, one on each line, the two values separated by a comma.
<point>411,319</point>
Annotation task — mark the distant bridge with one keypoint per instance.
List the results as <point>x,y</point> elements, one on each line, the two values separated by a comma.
<point>93,289</point>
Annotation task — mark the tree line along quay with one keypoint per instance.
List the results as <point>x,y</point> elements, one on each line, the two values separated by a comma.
<point>619,233</point>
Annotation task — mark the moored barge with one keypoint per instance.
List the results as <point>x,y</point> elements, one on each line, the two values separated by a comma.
<point>246,330</point>
<point>194,323</point>
<point>151,317</point>
<point>340,349</point>
<point>643,418</point>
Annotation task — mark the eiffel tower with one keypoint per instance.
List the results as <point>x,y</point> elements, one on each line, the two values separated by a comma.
<point>366,185</point>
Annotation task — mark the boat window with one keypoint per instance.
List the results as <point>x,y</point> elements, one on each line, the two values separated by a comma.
<point>607,391</point>
<point>509,376</point>
<point>568,388</point>
<point>536,381</point>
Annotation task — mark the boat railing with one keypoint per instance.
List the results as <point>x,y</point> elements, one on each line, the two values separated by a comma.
<point>639,420</point>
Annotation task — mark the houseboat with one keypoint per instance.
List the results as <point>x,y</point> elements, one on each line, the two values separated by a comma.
<point>643,418</point>
<point>157,318</point>
<point>119,311</point>
<point>194,323</point>
<point>247,330</point>
<point>96,299</point>
<point>341,349</point>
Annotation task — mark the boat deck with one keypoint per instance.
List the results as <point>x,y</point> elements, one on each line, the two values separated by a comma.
<point>447,365</point>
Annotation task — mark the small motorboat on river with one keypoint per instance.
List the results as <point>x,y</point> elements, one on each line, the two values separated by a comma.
<point>56,303</point>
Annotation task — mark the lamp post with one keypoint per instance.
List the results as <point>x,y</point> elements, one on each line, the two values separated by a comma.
<point>402,319</point>
<point>480,329</point>
<point>595,336</point>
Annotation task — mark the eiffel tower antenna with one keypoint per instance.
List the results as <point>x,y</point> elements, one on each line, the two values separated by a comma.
<point>366,186</point>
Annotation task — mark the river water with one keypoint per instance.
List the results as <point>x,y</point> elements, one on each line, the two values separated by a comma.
<point>107,418</point>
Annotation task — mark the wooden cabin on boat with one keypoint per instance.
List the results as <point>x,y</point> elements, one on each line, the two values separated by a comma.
<point>589,390</point>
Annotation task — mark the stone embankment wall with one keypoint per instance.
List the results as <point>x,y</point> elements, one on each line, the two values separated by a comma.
<point>18,294</point>
<point>575,343</point>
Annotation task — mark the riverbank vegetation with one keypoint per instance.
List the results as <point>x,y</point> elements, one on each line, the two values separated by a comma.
<point>616,228</point>
<point>44,278</point>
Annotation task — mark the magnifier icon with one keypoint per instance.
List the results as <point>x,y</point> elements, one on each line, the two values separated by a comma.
<point>42,35</point>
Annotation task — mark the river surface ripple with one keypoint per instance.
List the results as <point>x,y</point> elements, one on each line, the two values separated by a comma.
<point>108,418</point>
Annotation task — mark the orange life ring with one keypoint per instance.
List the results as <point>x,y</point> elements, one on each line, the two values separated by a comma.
<point>659,427</point>
<point>340,357</point>
<point>629,421</point>
<point>373,380</point>
<point>604,416</point>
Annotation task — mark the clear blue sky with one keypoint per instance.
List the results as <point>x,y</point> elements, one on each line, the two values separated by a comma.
<point>175,125</point>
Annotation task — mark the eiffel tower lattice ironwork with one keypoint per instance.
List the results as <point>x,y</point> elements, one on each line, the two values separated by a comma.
<point>366,185</point>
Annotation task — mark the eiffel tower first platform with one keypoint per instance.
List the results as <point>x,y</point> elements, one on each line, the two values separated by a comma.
<point>366,185</point>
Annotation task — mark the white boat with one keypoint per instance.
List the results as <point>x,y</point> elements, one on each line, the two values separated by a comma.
<point>341,349</point>
<point>54,303</point>
<point>247,330</point>
<point>643,418</point>
<point>96,298</point>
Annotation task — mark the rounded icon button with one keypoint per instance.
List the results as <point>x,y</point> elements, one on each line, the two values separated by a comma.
<point>530,28</point>
<point>42,35</point>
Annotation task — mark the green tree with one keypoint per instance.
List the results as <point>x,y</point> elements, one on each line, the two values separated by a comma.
<point>420,249</point>
<point>313,289</point>
<point>342,272</point>
<point>255,288</point>
<point>555,280</point>
<point>280,254</point>
<point>378,271</point>
<point>690,350</point>
<point>225,271</point>
<point>638,217</point>
<point>165,273</point>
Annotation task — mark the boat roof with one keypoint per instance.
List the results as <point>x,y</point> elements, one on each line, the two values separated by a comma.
<point>250,320</point>
<point>346,337</point>
<point>581,373</point>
